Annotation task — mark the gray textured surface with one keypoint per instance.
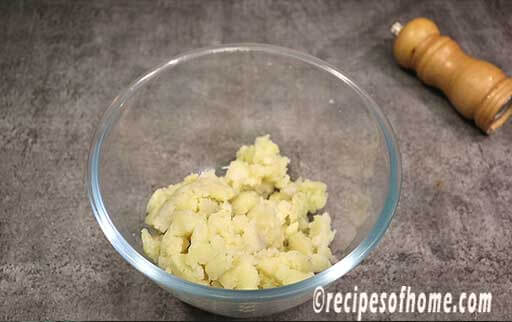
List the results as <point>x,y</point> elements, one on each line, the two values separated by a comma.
<point>61,64</point>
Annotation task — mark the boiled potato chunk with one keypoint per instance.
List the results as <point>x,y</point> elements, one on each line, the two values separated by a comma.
<point>244,202</point>
<point>218,266</point>
<point>248,230</point>
<point>300,242</point>
<point>208,206</point>
<point>319,263</point>
<point>151,244</point>
<point>320,231</point>
<point>243,276</point>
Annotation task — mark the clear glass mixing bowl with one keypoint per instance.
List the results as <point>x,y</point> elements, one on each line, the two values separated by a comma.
<point>193,113</point>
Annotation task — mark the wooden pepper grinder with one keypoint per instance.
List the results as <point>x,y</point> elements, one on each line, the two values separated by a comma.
<point>479,90</point>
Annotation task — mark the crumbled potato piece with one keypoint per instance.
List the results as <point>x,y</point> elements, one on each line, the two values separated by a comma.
<point>247,230</point>
<point>320,231</point>
<point>242,276</point>
<point>300,242</point>
<point>319,262</point>
<point>151,244</point>
<point>218,266</point>
<point>296,260</point>
<point>244,202</point>
<point>208,206</point>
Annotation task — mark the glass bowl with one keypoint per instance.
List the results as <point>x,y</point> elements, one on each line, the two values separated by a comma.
<point>194,111</point>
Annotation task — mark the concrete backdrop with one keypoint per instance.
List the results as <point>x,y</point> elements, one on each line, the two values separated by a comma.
<point>61,63</point>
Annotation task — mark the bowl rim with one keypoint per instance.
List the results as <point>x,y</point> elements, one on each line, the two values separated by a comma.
<point>166,280</point>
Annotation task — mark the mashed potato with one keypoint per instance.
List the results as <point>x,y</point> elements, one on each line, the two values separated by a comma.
<point>247,230</point>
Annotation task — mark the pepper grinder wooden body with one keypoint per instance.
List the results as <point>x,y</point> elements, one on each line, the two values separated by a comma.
<point>478,90</point>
